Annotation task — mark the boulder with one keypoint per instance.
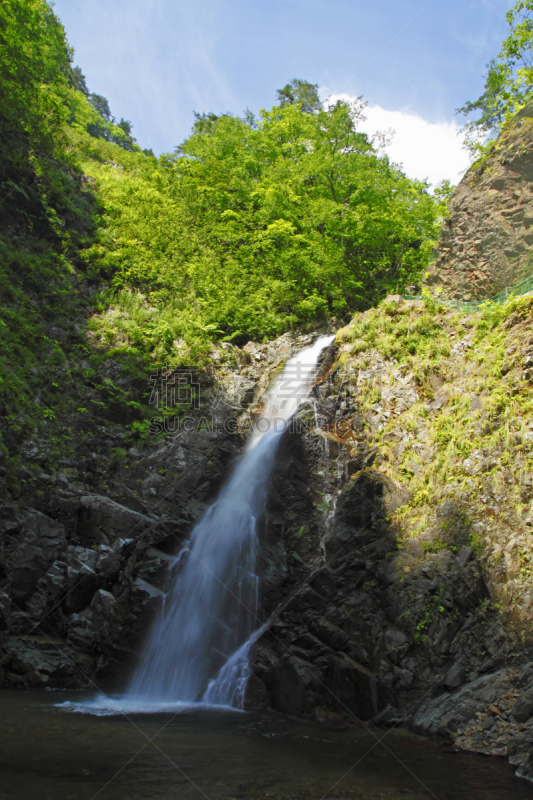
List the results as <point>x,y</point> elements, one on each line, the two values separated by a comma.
<point>452,710</point>
<point>82,579</point>
<point>40,541</point>
<point>44,661</point>
<point>108,562</point>
<point>523,708</point>
<point>154,566</point>
<point>455,677</point>
<point>102,520</point>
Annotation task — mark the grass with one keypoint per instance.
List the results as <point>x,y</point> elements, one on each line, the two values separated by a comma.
<point>479,452</point>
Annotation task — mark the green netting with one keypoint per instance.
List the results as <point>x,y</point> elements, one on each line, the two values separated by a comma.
<point>474,305</point>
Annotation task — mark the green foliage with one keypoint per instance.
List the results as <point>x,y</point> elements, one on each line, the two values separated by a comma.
<point>117,457</point>
<point>300,93</point>
<point>46,217</point>
<point>509,81</point>
<point>251,229</point>
<point>399,332</point>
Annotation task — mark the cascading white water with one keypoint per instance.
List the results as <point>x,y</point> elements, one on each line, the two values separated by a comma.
<point>199,648</point>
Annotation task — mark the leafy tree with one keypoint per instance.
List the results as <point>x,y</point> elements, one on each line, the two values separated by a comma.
<point>203,123</point>
<point>253,226</point>
<point>509,81</point>
<point>126,126</point>
<point>78,81</point>
<point>300,93</point>
<point>101,105</point>
<point>33,69</point>
<point>247,231</point>
<point>45,216</point>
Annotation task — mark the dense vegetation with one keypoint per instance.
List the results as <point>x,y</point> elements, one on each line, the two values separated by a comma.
<point>255,226</point>
<point>508,83</point>
<point>251,227</point>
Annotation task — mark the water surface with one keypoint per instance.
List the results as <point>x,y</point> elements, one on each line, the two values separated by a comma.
<point>49,753</point>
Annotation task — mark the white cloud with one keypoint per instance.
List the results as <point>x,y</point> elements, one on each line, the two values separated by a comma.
<point>431,150</point>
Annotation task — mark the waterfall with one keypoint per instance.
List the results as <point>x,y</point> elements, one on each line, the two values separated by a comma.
<point>199,648</point>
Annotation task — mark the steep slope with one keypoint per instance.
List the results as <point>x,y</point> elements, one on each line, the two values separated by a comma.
<point>406,518</point>
<point>485,242</point>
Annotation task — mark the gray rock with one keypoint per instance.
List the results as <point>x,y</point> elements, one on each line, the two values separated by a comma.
<point>523,708</point>
<point>40,541</point>
<point>108,562</point>
<point>329,633</point>
<point>386,716</point>
<point>464,555</point>
<point>453,710</point>
<point>485,243</point>
<point>455,677</point>
<point>353,686</point>
<point>82,580</point>
<point>101,519</point>
<point>44,661</point>
<point>152,486</point>
<point>154,566</point>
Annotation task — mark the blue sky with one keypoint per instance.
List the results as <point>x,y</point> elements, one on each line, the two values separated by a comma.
<point>158,60</point>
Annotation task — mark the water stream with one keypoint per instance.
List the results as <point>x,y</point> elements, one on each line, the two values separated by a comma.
<point>199,648</point>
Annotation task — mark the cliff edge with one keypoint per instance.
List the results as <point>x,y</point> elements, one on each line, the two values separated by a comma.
<point>486,239</point>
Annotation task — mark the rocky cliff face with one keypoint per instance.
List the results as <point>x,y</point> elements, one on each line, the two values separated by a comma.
<point>396,548</point>
<point>486,240</point>
<point>403,515</point>
<point>87,538</point>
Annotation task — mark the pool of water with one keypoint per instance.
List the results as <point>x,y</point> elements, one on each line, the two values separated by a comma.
<point>53,753</point>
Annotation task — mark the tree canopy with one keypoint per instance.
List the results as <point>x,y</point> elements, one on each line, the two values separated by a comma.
<point>300,93</point>
<point>252,226</point>
<point>509,80</point>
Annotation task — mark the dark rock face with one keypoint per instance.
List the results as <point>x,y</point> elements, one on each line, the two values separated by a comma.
<point>360,628</point>
<point>39,542</point>
<point>331,632</point>
<point>86,550</point>
<point>78,595</point>
<point>486,240</point>
<point>523,708</point>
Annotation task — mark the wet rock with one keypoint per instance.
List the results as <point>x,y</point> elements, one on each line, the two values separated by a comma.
<point>44,661</point>
<point>146,600</point>
<point>387,716</point>
<point>272,565</point>
<point>154,566</point>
